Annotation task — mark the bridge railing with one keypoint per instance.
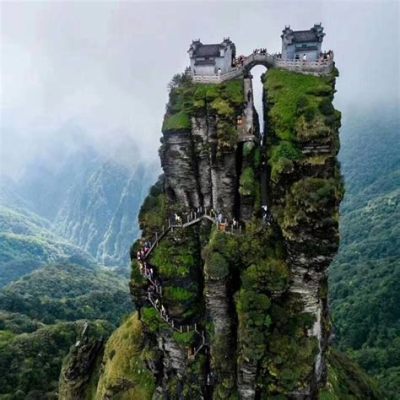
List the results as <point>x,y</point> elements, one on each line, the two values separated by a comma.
<point>272,60</point>
<point>320,66</point>
<point>255,57</point>
<point>234,73</point>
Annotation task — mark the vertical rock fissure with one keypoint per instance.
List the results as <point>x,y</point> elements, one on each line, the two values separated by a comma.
<point>239,162</point>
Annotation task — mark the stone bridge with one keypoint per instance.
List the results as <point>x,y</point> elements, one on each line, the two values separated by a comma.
<point>268,60</point>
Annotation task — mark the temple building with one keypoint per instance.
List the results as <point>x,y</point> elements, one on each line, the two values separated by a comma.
<point>211,59</point>
<point>303,45</point>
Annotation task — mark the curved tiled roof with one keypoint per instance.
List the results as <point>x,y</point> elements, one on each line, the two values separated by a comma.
<point>208,50</point>
<point>304,36</point>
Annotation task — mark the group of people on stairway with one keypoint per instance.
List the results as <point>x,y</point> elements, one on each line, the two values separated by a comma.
<point>218,218</point>
<point>154,289</point>
<point>154,295</point>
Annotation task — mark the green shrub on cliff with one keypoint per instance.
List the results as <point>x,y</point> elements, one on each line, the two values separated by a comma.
<point>30,363</point>
<point>311,199</point>
<point>177,122</point>
<point>153,212</point>
<point>254,322</point>
<point>270,275</point>
<point>217,267</point>
<point>187,99</point>
<point>124,373</point>
<point>346,381</point>
<point>247,182</point>
<point>300,111</point>
<point>281,158</point>
<point>291,94</point>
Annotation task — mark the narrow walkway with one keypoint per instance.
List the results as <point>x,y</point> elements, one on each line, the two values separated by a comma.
<point>148,271</point>
<point>192,218</point>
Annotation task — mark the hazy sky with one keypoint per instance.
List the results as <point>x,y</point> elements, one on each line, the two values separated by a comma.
<point>97,72</point>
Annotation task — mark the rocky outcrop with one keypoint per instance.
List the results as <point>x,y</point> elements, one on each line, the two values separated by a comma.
<point>244,310</point>
<point>234,311</point>
<point>82,364</point>
<point>76,374</point>
<point>212,157</point>
<point>195,174</point>
<point>305,195</point>
<point>178,162</point>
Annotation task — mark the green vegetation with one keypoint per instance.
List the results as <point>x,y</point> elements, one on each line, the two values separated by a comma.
<point>185,339</point>
<point>311,199</point>
<point>30,363</point>
<point>67,293</point>
<point>178,262</point>
<point>125,375</point>
<point>282,157</point>
<point>152,320</point>
<point>217,267</point>
<point>47,296</point>
<point>247,182</point>
<point>172,261</point>
<point>178,294</point>
<point>254,322</point>
<point>26,243</point>
<point>186,99</point>
<point>346,381</point>
<point>293,96</point>
<point>153,212</point>
<point>177,122</point>
<point>365,277</point>
<point>300,110</point>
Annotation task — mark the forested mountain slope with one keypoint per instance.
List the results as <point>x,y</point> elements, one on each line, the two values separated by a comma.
<point>67,293</point>
<point>365,278</point>
<point>27,243</point>
<point>90,199</point>
<point>99,214</point>
<point>57,225</point>
<point>40,319</point>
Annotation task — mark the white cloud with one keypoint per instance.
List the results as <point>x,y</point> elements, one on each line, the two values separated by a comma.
<point>97,71</point>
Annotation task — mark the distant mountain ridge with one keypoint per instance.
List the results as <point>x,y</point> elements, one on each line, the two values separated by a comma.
<point>89,200</point>
<point>100,214</point>
<point>27,243</point>
<point>58,228</point>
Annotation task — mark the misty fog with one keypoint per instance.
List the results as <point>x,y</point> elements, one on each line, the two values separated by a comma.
<point>79,74</point>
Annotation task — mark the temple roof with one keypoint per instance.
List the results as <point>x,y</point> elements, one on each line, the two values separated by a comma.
<point>304,36</point>
<point>198,49</point>
<point>315,34</point>
<point>208,50</point>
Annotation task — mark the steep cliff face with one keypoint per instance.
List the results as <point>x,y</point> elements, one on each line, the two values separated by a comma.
<point>229,277</point>
<point>258,294</point>
<point>305,189</point>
